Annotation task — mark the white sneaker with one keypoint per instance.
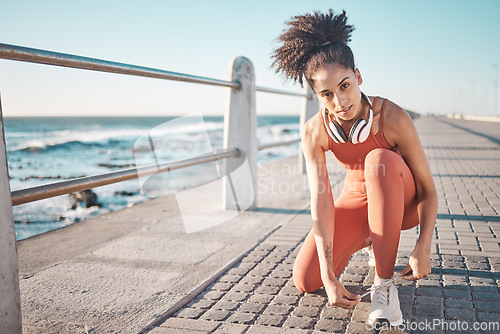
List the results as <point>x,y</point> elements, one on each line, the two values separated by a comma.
<point>369,250</point>
<point>385,304</point>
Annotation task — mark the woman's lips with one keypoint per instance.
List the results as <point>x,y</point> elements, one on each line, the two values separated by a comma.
<point>345,111</point>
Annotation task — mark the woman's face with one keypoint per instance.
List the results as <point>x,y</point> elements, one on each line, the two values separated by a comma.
<point>338,89</point>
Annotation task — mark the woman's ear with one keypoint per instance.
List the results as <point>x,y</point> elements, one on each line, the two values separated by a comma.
<point>358,76</point>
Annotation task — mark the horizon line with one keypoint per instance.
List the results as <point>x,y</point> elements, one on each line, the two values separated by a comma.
<point>124,116</point>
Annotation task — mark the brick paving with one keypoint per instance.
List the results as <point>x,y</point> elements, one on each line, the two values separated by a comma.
<point>257,295</point>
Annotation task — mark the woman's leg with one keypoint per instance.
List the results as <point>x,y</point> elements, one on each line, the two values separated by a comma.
<point>350,232</point>
<point>391,205</point>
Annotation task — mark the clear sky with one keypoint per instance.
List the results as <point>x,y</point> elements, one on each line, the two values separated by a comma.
<point>427,56</point>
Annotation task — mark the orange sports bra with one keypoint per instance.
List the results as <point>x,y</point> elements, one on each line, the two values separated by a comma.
<point>352,156</point>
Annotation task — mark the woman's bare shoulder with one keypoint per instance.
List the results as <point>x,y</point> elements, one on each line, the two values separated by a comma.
<point>396,122</point>
<point>391,109</point>
<point>395,115</point>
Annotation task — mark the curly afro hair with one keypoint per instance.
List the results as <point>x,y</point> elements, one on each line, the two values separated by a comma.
<point>311,42</point>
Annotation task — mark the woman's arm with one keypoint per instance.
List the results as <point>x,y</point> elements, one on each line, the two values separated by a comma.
<point>323,213</point>
<point>400,130</point>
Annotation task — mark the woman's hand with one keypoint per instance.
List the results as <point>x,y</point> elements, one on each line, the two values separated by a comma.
<point>338,295</point>
<point>419,264</point>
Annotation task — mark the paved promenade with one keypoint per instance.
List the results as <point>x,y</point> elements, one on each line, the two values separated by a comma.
<point>257,294</point>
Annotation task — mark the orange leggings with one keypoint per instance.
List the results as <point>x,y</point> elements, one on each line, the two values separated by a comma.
<point>376,203</point>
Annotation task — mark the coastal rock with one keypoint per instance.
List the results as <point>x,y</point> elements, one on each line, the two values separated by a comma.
<point>26,178</point>
<point>115,165</point>
<point>124,193</point>
<point>87,197</point>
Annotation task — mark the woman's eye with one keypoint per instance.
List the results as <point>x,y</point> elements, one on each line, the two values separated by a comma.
<point>344,86</point>
<point>327,94</point>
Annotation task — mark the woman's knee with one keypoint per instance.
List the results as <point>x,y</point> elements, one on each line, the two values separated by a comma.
<point>299,284</point>
<point>303,282</point>
<point>379,162</point>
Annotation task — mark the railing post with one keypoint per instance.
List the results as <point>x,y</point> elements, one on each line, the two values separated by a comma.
<point>240,131</point>
<point>10,299</point>
<point>310,107</point>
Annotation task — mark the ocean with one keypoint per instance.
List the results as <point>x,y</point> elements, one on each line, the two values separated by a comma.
<point>43,150</point>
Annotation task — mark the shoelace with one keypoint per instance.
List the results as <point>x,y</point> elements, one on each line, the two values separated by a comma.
<point>382,295</point>
<point>376,287</point>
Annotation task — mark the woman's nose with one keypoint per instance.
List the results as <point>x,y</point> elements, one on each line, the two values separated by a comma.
<point>336,100</point>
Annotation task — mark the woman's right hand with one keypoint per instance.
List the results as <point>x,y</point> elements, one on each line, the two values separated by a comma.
<point>338,295</point>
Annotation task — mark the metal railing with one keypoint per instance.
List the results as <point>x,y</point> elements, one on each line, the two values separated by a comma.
<point>280,143</point>
<point>283,92</point>
<point>239,137</point>
<point>31,55</point>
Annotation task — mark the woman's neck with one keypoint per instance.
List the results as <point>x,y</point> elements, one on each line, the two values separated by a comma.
<point>362,113</point>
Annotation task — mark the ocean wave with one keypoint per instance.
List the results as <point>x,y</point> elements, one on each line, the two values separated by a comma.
<point>40,145</point>
<point>68,139</point>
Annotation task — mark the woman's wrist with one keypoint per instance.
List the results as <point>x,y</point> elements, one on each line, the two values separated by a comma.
<point>328,275</point>
<point>423,245</point>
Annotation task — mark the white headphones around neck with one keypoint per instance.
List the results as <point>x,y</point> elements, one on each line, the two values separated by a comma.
<point>360,130</point>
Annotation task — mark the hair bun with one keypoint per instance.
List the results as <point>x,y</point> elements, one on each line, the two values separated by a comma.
<point>305,35</point>
<point>331,28</point>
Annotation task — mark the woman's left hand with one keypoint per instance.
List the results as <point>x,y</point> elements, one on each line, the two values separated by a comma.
<point>419,265</point>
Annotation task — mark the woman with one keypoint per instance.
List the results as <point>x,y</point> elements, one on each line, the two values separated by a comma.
<point>388,185</point>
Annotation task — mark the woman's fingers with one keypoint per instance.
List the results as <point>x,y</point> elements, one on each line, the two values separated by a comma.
<point>407,274</point>
<point>346,302</point>
<point>418,274</point>
<point>339,296</point>
<point>352,296</point>
<point>409,277</point>
<point>405,270</point>
<point>415,270</point>
<point>347,299</point>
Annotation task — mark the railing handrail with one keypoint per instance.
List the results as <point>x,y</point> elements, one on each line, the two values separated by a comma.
<point>280,91</point>
<point>31,55</point>
<point>279,143</point>
<point>53,189</point>
<point>21,53</point>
